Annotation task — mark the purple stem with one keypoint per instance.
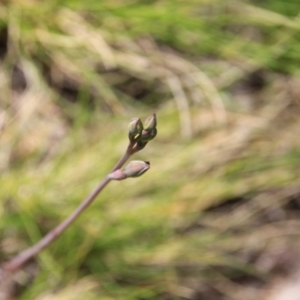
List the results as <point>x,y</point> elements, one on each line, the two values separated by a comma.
<point>18,261</point>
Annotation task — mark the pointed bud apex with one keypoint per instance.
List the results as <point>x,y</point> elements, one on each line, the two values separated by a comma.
<point>135,129</point>
<point>148,135</point>
<point>136,168</point>
<point>117,175</point>
<point>150,123</point>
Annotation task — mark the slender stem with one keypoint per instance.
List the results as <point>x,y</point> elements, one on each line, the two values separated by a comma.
<point>18,261</point>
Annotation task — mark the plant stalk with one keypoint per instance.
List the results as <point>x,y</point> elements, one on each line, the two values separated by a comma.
<point>17,262</point>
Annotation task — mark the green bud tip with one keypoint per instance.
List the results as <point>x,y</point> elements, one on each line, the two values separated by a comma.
<point>136,168</point>
<point>150,123</point>
<point>135,128</point>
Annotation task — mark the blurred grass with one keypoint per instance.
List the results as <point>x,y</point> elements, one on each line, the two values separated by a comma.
<point>223,79</point>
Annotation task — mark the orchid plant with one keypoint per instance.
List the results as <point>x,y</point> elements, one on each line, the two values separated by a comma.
<point>139,135</point>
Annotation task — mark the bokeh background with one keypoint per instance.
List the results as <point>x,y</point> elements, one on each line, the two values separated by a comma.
<point>217,216</point>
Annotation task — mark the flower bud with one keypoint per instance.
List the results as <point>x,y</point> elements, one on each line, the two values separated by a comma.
<point>150,123</point>
<point>135,129</point>
<point>136,168</point>
<point>148,135</point>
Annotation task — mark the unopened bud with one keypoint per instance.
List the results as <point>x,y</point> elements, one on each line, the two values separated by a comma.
<point>135,129</point>
<point>150,123</point>
<point>136,168</point>
<point>148,135</point>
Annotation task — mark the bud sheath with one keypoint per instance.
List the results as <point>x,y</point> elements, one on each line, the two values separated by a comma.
<point>136,168</point>
<point>135,128</point>
<point>150,123</point>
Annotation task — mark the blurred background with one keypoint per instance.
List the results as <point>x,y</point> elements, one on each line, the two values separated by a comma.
<point>217,216</point>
